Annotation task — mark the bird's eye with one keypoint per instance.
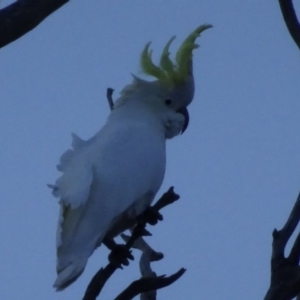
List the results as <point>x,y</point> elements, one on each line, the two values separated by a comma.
<point>168,101</point>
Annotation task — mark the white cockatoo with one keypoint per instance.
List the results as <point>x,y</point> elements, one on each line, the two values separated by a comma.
<point>110,179</point>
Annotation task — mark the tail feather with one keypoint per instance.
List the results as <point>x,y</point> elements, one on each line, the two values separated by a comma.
<point>69,273</point>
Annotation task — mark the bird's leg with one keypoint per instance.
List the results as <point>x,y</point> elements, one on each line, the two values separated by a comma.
<point>119,254</point>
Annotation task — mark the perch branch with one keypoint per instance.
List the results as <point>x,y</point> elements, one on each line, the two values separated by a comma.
<point>148,256</point>
<point>145,284</point>
<point>22,16</point>
<point>285,271</point>
<point>290,18</point>
<point>98,281</point>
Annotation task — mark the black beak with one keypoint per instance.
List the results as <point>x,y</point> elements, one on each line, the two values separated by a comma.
<point>185,113</point>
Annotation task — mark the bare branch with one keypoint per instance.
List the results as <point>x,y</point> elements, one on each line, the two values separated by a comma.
<point>295,251</point>
<point>290,18</point>
<point>148,256</point>
<point>145,284</point>
<point>98,281</point>
<point>285,272</point>
<point>24,15</point>
<point>95,286</point>
<point>280,238</point>
<point>166,199</point>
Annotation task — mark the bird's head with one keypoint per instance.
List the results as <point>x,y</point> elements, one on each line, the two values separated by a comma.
<point>174,85</point>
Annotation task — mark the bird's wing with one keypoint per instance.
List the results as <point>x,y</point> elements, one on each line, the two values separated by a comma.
<point>73,190</point>
<point>73,187</point>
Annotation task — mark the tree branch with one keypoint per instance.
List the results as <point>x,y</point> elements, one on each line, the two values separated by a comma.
<point>98,281</point>
<point>148,256</point>
<point>22,16</point>
<point>144,284</point>
<point>290,18</point>
<point>285,271</point>
<point>280,238</point>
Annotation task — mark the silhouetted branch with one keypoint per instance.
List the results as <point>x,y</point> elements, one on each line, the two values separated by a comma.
<point>285,271</point>
<point>144,284</point>
<point>290,18</point>
<point>24,15</point>
<point>166,199</point>
<point>98,281</point>
<point>148,256</point>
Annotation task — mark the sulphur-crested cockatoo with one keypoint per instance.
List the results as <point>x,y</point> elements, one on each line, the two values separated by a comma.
<point>113,177</point>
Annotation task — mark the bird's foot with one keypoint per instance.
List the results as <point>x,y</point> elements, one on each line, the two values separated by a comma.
<point>120,255</point>
<point>151,216</point>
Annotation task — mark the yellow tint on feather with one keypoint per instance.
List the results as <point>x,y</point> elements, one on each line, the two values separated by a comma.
<point>172,73</point>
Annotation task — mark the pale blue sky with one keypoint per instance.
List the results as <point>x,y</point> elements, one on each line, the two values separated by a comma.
<point>236,167</point>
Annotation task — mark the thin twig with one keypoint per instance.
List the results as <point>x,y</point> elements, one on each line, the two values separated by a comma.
<point>148,256</point>
<point>290,18</point>
<point>144,285</point>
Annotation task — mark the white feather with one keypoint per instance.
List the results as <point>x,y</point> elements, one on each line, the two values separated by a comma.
<point>110,179</point>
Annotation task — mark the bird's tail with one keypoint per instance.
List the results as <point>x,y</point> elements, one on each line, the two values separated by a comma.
<point>68,272</point>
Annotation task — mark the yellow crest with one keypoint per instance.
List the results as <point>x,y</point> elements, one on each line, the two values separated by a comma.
<point>169,72</point>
